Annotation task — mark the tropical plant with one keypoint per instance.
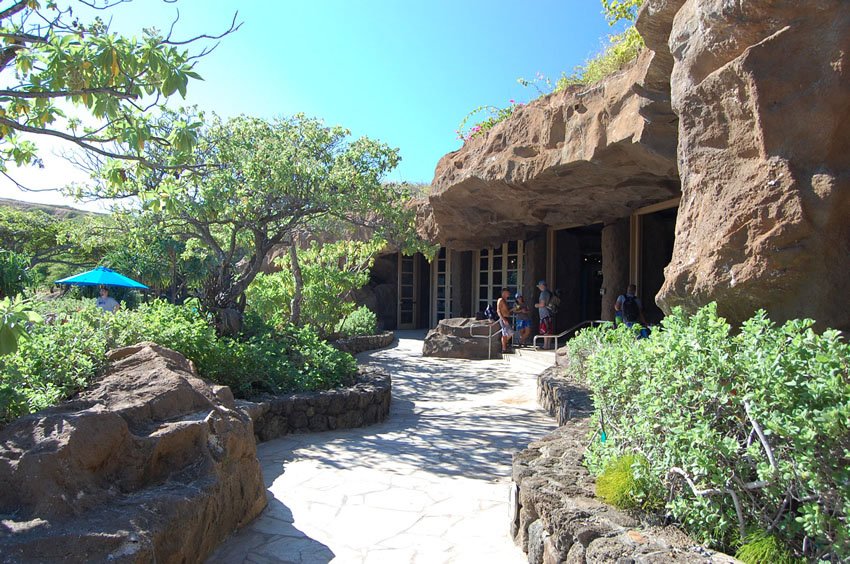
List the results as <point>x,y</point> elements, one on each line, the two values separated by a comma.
<point>361,321</point>
<point>14,273</point>
<point>16,315</point>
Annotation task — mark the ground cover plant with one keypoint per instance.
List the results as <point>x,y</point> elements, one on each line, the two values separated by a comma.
<point>66,352</point>
<point>746,436</point>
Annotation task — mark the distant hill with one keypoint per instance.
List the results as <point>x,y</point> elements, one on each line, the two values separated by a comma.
<point>61,212</point>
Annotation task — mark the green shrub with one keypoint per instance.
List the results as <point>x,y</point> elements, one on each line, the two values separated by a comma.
<point>764,548</point>
<point>67,352</point>
<point>691,398</point>
<point>361,321</point>
<point>621,50</point>
<point>626,483</point>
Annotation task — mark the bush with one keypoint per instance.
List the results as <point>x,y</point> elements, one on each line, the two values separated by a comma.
<point>362,321</point>
<point>764,548</point>
<point>625,483</point>
<point>14,273</point>
<point>758,419</point>
<point>66,353</point>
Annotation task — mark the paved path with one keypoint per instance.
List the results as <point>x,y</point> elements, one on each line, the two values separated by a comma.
<point>430,484</point>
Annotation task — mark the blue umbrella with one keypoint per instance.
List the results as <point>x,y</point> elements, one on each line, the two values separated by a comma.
<point>101,276</point>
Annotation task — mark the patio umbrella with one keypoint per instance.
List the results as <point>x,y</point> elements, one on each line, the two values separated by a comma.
<point>101,276</point>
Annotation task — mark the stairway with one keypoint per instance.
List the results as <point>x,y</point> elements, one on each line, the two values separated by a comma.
<point>530,360</point>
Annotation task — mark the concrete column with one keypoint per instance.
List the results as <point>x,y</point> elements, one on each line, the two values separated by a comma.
<point>615,264</point>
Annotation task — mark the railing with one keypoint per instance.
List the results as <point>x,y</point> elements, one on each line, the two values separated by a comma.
<point>488,337</point>
<point>573,329</point>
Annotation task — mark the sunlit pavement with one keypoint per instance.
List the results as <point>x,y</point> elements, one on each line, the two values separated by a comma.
<point>429,484</point>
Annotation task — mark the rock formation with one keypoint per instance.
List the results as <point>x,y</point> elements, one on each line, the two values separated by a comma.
<point>762,91</point>
<point>461,337</point>
<point>576,157</point>
<point>152,464</point>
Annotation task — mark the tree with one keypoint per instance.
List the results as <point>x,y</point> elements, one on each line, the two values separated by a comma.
<point>48,56</point>
<point>268,184</point>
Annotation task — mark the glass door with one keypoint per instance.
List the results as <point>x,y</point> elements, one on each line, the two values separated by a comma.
<point>408,289</point>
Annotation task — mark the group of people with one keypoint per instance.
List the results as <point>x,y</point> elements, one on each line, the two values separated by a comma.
<point>522,312</point>
<point>627,309</point>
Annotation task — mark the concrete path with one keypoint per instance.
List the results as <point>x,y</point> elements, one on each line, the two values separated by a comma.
<point>430,484</point>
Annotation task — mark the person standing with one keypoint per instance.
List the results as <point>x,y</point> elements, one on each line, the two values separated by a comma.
<point>504,312</point>
<point>543,311</point>
<point>628,309</point>
<point>523,319</point>
<point>105,301</point>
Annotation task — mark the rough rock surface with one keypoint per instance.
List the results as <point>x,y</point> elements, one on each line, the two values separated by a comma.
<point>761,89</point>
<point>576,157</point>
<point>365,403</point>
<point>557,518</point>
<point>153,464</point>
<point>363,343</point>
<point>452,339</point>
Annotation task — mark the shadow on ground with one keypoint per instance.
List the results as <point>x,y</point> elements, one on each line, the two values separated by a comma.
<point>271,538</point>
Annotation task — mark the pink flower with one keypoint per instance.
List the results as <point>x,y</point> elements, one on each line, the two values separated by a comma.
<point>512,101</point>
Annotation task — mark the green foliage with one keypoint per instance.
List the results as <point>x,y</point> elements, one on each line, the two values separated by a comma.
<point>616,11</point>
<point>15,316</point>
<point>67,352</point>
<point>692,397</point>
<point>271,183</point>
<point>361,321</point>
<point>764,548</point>
<point>331,271</point>
<point>621,50</point>
<point>54,59</point>
<point>14,273</point>
<point>626,483</point>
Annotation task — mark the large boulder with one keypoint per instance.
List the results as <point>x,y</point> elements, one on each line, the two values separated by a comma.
<point>579,156</point>
<point>152,464</point>
<point>463,337</point>
<point>762,91</point>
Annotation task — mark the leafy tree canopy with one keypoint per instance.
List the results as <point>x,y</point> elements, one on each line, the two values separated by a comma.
<point>266,184</point>
<point>50,60</point>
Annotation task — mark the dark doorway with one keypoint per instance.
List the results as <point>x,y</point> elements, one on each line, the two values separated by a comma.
<point>658,232</point>
<point>578,274</point>
<point>423,305</point>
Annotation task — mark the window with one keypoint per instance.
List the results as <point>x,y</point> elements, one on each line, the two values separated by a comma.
<point>442,286</point>
<point>498,267</point>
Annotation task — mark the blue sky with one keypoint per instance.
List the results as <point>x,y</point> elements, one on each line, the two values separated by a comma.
<point>403,72</point>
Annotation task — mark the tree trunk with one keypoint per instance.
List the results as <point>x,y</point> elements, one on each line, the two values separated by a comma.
<point>298,295</point>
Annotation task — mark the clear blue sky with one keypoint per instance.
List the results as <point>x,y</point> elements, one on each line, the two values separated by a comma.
<point>404,72</point>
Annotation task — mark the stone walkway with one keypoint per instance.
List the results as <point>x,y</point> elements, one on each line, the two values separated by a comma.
<point>429,484</point>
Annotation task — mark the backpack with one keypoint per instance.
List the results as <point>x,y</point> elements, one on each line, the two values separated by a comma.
<point>554,304</point>
<point>491,313</point>
<point>631,310</point>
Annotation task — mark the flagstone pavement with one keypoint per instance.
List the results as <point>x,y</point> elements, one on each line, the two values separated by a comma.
<point>429,484</point>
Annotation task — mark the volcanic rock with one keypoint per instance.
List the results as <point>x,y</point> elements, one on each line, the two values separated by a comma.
<point>762,91</point>
<point>576,157</point>
<point>462,337</point>
<point>153,464</point>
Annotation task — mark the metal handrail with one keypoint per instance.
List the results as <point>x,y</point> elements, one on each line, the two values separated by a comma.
<point>488,337</point>
<point>576,327</point>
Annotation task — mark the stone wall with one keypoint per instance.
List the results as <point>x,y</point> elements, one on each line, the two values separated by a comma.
<point>365,403</point>
<point>151,464</point>
<point>363,343</point>
<point>561,397</point>
<point>555,515</point>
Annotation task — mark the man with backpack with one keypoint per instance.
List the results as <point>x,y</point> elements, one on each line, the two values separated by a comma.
<point>628,309</point>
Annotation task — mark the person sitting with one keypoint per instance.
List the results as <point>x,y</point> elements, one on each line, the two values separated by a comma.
<point>523,319</point>
<point>105,301</point>
<point>504,312</point>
